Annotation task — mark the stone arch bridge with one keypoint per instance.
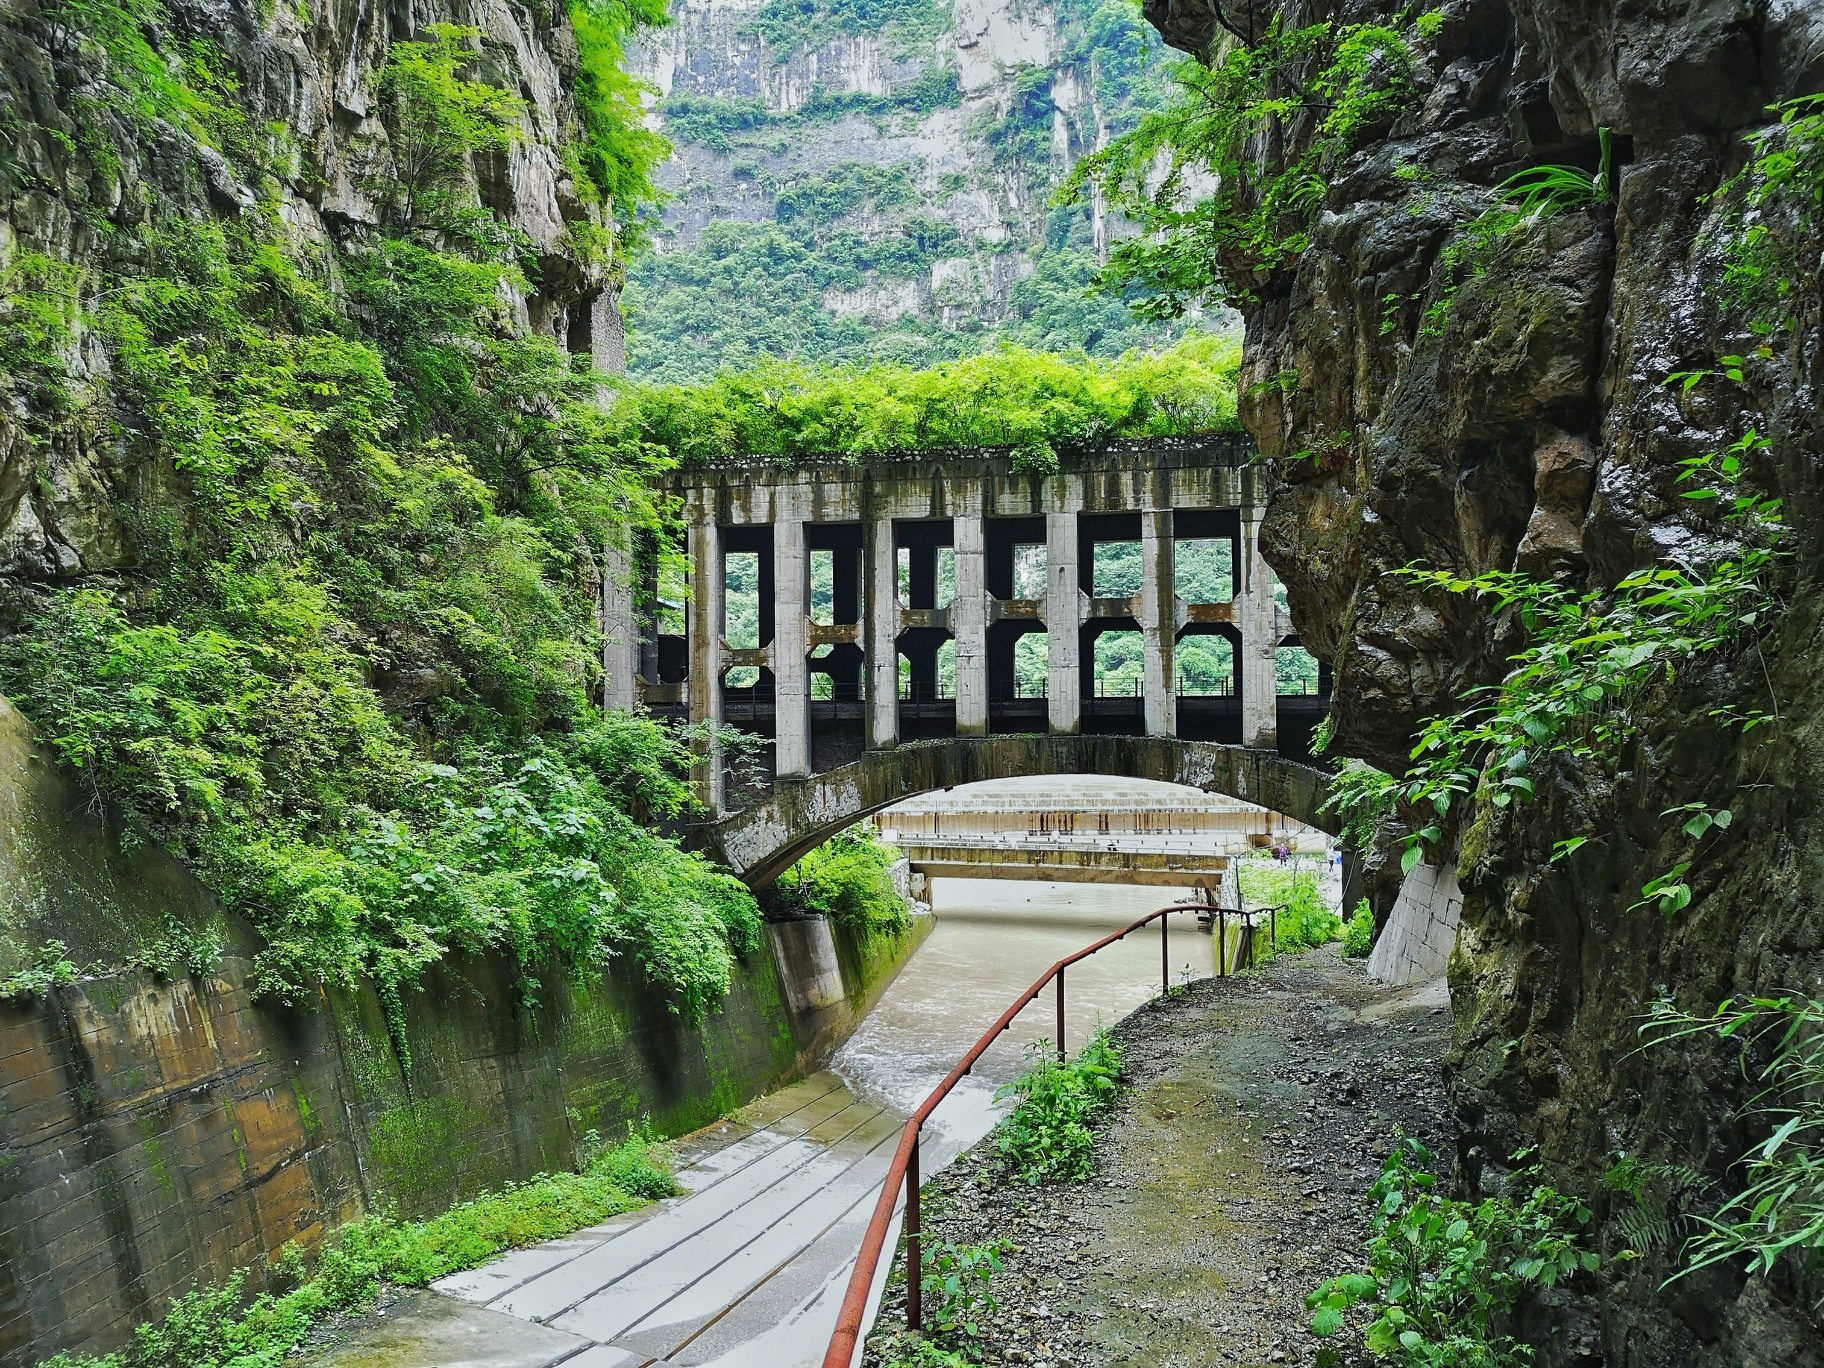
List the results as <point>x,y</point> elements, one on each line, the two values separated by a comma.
<point>890,624</point>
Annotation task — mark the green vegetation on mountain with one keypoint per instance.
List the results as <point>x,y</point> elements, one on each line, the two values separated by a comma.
<point>854,280</point>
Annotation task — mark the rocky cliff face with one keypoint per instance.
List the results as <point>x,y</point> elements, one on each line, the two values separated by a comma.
<point>83,166</point>
<point>868,180</point>
<point>1535,431</point>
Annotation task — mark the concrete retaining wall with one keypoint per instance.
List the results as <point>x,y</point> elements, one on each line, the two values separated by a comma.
<point>1416,942</point>
<point>156,1134</point>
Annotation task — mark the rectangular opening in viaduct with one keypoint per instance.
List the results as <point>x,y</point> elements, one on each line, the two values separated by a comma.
<point>853,605</point>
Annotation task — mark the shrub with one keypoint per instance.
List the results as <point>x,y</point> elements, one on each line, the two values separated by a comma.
<point>1358,932</point>
<point>1444,1277</point>
<point>1046,1138</point>
<point>848,879</point>
<point>1302,923</point>
<point>219,1328</point>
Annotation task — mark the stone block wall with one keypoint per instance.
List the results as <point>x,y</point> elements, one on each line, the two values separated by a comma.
<point>1416,942</point>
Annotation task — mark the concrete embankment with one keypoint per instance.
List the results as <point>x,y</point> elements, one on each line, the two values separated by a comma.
<point>159,1133</point>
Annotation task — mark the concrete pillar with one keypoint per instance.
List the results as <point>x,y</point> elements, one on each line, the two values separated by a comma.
<point>1159,620</point>
<point>706,608</point>
<point>1259,624</point>
<point>969,621</point>
<point>620,629</point>
<point>791,642</point>
<point>1063,622</point>
<point>880,644</point>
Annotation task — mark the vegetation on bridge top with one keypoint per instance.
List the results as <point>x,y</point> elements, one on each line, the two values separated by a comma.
<point>1028,401</point>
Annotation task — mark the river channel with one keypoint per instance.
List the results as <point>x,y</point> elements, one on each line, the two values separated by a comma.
<point>747,1269</point>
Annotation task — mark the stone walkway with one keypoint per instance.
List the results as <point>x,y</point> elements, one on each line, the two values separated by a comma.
<point>744,1271</point>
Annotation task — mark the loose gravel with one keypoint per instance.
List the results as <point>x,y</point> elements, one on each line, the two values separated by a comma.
<point>1230,1177</point>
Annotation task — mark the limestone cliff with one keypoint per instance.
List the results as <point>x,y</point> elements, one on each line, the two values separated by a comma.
<point>875,180</point>
<point>81,168</point>
<point>1536,431</point>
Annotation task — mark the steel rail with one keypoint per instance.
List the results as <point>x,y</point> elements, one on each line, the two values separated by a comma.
<point>903,1172</point>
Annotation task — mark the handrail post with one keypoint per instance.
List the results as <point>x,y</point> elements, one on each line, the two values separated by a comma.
<point>1060,1016</point>
<point>915,1263</point>
<point>1222,942</point>
<point>1273,930</point>
<point>1165,958</point>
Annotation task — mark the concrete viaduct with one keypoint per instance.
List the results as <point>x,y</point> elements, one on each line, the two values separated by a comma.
<point>868,617</point>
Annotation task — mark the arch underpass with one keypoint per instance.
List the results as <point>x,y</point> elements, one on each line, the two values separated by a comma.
<point>761,841</point>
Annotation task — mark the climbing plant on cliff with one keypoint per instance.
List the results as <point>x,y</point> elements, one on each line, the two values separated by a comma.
<point>1267,122</point>
<point>346,670</point>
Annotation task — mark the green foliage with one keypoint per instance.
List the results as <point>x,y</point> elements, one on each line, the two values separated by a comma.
<point>1445,1277</point>
<point>1303,921</point>
<point>1776,1218</point>
<point>1363,797</point>
<point>436,119</point>
<point>1358,932</point>
<point>1020,134</point>
<point>1769,245</point>
<point>618,154</point>
<point>39,311</point>
<point>955,1284</point>
<point>1012,397</point>
<point>849,880</point>
<point>1655,1193</point>
<point>1307,96</point>
<point>48,969</point>
<point>220,1328</point>
<point>1046,1138</point>
<point>720,123</point>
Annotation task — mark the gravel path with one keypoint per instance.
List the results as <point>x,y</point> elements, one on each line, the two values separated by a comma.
<point>1230,1179</point>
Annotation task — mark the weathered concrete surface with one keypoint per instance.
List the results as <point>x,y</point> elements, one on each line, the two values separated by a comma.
<point>982,859</point>
<point>1415,944</point>
<point>759,843</point>
<point>425,1330</point>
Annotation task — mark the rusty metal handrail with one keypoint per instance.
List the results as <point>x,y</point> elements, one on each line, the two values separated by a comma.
<point>904,1168</point>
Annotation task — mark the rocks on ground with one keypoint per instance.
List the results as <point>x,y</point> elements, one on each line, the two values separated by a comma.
<point>1230,1178</point>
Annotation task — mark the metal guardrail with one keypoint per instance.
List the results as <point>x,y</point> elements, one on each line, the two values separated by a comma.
<point>903,1172</point>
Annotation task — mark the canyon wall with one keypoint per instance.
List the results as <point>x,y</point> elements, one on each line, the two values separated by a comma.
<point>1535,431</point>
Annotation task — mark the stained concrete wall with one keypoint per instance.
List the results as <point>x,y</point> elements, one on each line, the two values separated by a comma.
<point>1421,931</point>
<point>155,1134</point>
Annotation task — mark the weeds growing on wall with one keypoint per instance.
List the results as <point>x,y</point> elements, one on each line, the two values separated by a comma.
<point>221,1328</point>
<point>1047,1137</point>
<point>1445,1277</point>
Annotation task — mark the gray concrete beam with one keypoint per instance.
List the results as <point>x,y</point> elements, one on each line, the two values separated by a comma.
<point>1159,620</point>
<point>969,618</point>
<point>880,610</point>
<point>1256,670</point>
<point>791,640</point>
<point>707,595</point>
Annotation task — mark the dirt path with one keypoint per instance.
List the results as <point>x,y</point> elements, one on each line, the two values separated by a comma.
<point>1229,1181</point>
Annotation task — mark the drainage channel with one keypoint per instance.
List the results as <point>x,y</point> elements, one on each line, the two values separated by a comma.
<point>749,1267</point>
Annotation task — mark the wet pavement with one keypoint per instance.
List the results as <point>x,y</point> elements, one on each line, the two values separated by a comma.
<point>747,1269</point>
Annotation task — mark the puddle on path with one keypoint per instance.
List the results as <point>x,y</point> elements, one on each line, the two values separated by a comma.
<point>747,1270</point>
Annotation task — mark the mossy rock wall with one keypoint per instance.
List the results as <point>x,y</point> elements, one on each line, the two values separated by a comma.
<point>159,1133</point>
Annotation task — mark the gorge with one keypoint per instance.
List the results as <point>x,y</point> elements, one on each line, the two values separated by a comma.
<point>361,564</point>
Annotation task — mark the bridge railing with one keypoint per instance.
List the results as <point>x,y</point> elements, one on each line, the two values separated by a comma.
<point>903,1172</point>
